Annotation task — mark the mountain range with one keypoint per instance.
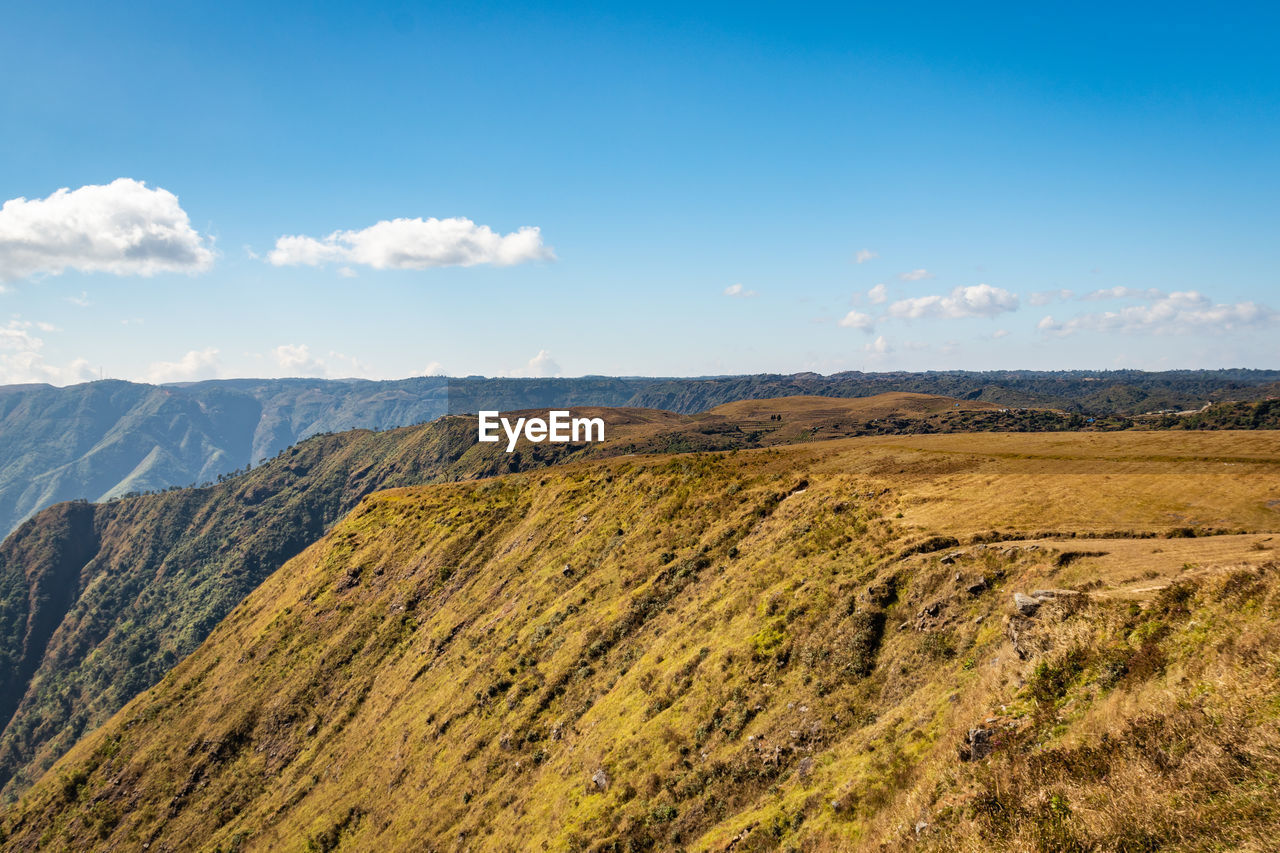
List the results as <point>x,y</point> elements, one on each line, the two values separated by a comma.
<point>105,439</point>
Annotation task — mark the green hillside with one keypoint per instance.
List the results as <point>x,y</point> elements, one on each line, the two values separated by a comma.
<point>811,646</point>
<point>97,602</point>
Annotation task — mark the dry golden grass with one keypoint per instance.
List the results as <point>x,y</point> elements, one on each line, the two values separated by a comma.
<point>760,650</point>
<point>894,404</point>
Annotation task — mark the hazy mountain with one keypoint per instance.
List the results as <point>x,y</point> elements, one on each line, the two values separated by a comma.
<point>103,439</point>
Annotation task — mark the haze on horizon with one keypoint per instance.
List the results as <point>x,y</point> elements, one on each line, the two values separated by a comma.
<point>229,190</point>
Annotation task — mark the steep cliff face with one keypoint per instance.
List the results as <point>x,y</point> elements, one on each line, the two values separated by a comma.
<point>100,600</point>
<point>814,646</point>
<point>42,574</point>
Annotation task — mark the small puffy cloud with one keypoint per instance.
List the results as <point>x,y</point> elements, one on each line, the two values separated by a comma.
<point>1123,293</point>
<point>122,228</point>
<point>858,320</point>
<point>738,291</point>
<point>81,301</point>
<point>540,366</point>
<point>434,368</point>
<point>864,255</point>
<point>879,346</point>
<point>346,272</point>
<point>1172,314</point>
<point>1044,297</point>
<point>195,365</point>
<point>296,360</point>
<point>22,359</point>
<point>414,244</point>
<point>878,294</point>
<point>15,336</point>
<point>979,300</point>
<point>999,333</point>
<point>915,275</point>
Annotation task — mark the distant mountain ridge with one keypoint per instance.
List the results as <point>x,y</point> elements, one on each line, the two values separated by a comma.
<point>104,439</point>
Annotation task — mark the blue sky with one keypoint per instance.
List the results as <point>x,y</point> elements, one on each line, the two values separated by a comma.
<point>1075,186</point>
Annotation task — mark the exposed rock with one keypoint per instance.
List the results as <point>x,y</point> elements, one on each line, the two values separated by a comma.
<point>977,745</point>
<point>977,587</point>
<point>600,780</point>
<point>885,593</point>
<point>1046,594</point>
<point>1025,604</point>
<point>1018,629</point>
<point>927,615</point>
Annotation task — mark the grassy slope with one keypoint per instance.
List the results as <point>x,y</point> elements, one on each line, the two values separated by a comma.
<point>737,651</point>
<point>153,575</point>
<point>90,614</point>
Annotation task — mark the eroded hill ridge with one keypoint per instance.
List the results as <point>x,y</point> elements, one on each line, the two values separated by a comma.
<point>813,645</point>
<point>105,439</point>
<point>94,611</point>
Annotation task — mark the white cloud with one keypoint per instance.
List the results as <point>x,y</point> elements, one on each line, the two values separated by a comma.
<point>81,301</point>
<point>22,359</point>
<point>122,228</point>
<point>1124,293</point>
<point>414,244</point>
<point>864,255</point>
<point>296,360</point>
<point>915,275</point>
<point>980,300</point>
<point>879,346</point>
<point>1044,297</point>
<point>878,294</point>
<point>999,333</point>
<point>1176,313</point>
<point>858,320</point>
<point>339,365</point>
<point>541,365</point>
<point>346,272</point>
<point>434,368</point>
<point>195,365</point>
<point>738,291</point>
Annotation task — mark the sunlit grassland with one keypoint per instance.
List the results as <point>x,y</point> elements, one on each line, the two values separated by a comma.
<point>760,648</point>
